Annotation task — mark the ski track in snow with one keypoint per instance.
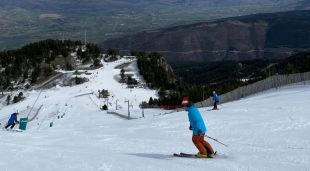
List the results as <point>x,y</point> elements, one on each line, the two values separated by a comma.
<point>267,131</point>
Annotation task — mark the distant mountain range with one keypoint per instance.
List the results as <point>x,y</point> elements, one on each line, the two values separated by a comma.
<point>24,21</point>
<point>272,35</point>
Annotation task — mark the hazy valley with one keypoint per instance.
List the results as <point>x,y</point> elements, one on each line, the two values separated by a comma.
<point>31,20</point>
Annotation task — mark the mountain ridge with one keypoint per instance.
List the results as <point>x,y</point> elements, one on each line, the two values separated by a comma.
<point>275,35</point>
<point>22,21</point>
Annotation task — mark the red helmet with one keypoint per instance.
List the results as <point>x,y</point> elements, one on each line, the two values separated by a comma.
<point>185,101</point>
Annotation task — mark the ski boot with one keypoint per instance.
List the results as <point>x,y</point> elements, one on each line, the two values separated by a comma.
<point>202,155</point>
<point>212,155</point>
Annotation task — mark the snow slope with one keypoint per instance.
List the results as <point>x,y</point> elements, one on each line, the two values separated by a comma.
<point>268,131</point>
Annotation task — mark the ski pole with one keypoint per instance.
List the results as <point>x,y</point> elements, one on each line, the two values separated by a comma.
<point>216,141</point>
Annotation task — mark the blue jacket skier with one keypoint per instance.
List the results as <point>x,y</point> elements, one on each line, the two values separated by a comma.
<point>216,99</point>
<point>199,129</point>
<point>195,119</point>
<point>12,121</point>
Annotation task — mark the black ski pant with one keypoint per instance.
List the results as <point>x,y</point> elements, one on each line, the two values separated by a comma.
<point>12,126</point>
<point>215,105</point>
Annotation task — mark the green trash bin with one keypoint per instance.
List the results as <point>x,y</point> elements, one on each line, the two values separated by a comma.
<point>23,123</point>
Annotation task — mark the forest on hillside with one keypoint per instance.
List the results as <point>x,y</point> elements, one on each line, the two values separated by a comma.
<point>197,80</point>
<point>40,59</point>
<point>225,76</point>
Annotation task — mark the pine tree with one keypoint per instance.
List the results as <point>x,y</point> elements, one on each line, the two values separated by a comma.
<point>151,101</point>
<point>20,94</point>
<point>122,74</point>
<point>96,62</point>
<point>290,69</point>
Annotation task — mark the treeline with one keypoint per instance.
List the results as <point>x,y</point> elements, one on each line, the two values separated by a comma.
<point>198,80</point>
<point>40,59</point>
<point>225,76</point>
<point>159,75</point>
<point>295,64</point>
<point>90,53</point>
<point>221,76</point>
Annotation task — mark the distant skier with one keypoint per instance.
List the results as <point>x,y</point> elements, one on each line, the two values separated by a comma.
<point>216,99</point>
<point>198,127</point>
<point>12,121</point>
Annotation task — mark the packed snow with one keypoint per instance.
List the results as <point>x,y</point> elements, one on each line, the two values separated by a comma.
<point>267,131</point>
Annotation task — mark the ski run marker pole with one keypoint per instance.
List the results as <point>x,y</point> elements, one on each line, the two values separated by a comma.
<point>217,141</point>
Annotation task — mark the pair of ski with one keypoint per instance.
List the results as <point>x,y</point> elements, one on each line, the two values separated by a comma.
<point>11,130</point>
<point>15,130</point>
<point>186,155</point>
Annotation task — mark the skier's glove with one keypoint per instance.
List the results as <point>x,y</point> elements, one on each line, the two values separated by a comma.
<point>190,128</point>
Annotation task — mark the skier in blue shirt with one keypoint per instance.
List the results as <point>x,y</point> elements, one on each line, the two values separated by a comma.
<point>216,99</point>
<point>199,129</point>
<point>12,121</point>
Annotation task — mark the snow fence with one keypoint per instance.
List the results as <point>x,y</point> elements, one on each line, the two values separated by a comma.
<point>274,81</point>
